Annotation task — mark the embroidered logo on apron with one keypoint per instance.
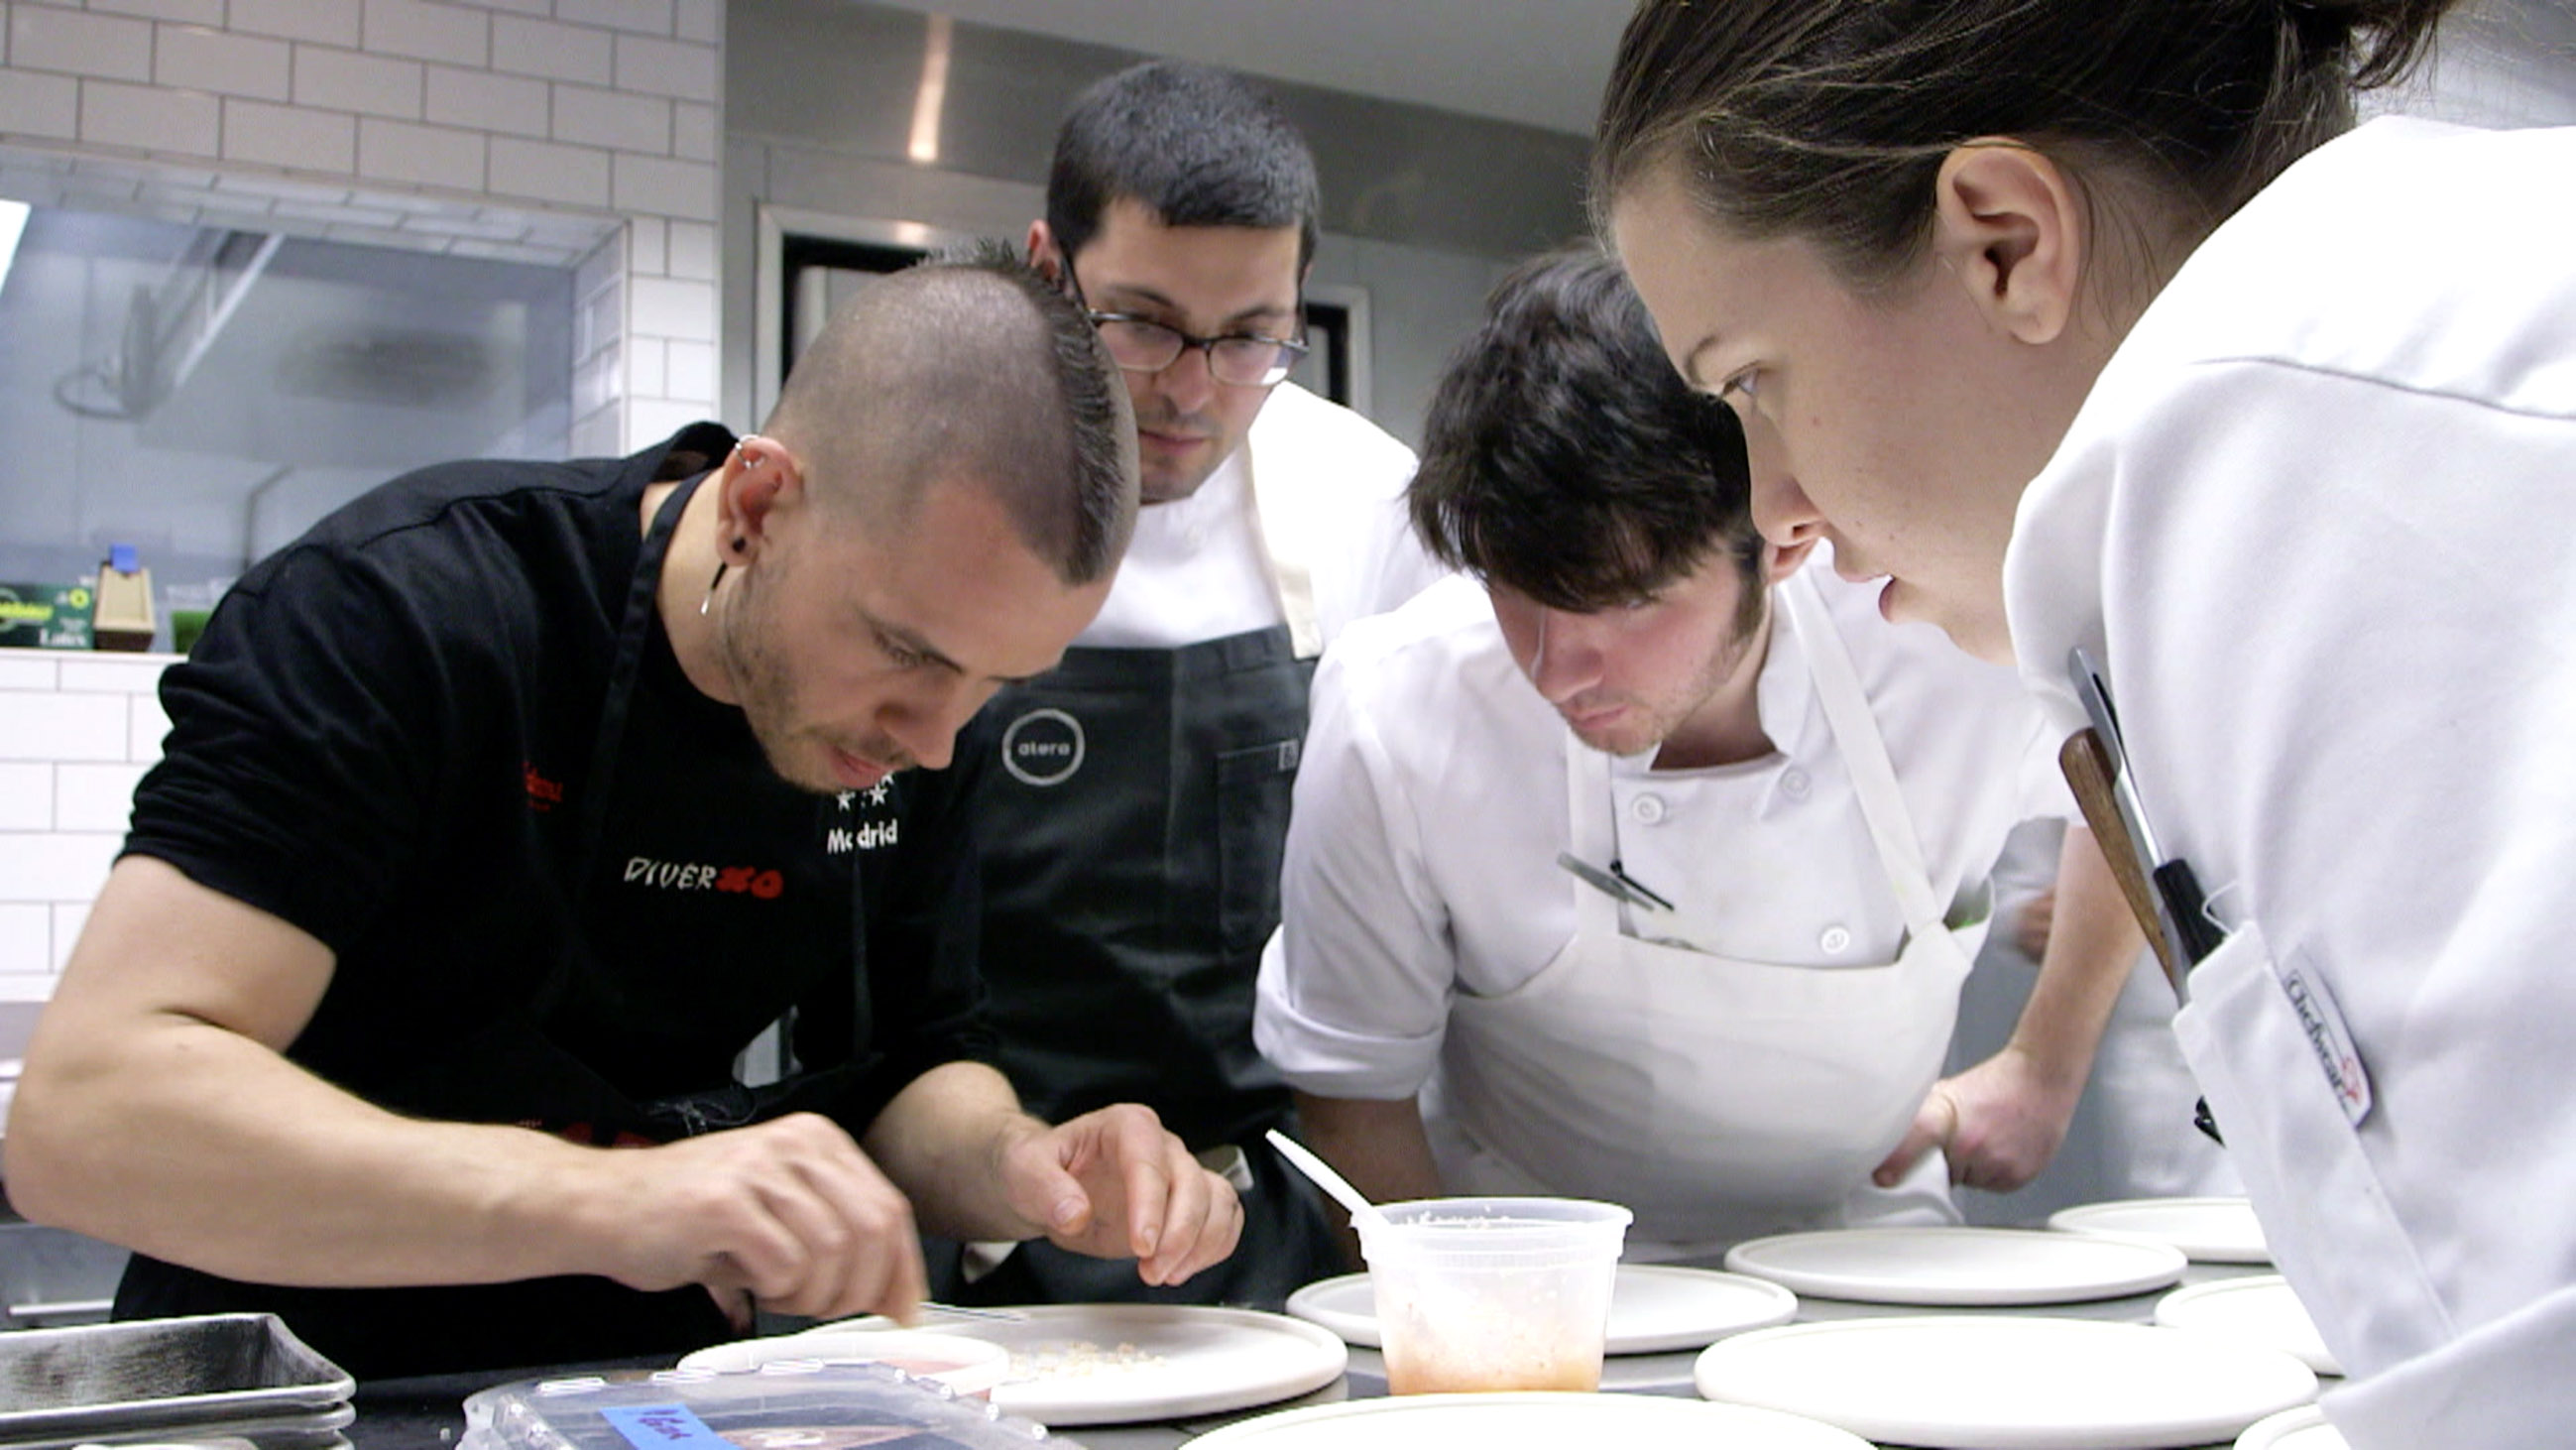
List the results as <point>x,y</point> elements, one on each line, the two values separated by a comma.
<point>1043,747</point>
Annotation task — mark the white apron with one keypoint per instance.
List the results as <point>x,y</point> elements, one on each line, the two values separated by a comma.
<point>1718,1099</point>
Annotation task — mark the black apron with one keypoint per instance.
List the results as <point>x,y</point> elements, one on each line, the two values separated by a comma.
<point>704,885</point>
<point>1131,809</point>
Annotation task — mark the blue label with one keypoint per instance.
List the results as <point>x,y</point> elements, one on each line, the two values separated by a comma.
<point>664,1427</point>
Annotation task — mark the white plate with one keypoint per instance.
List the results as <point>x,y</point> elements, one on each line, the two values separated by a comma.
<point>2257,1309</point>
<point>1654,1308</point>
<point>2007,1382</point>
<point>1958,1265</point>
<point>2207,1230</point>
<point>2304,1428</point>
<point>1526,1422</point>
<point>1109,1364</point>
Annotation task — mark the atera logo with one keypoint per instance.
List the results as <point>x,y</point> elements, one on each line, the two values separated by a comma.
<point>1043,747</point>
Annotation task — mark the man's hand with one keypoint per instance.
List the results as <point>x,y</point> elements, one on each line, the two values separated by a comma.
<point>1114,1184</point>
<point>789,1213</point>
<point>2032,923</point>
<point>1999,1122</point>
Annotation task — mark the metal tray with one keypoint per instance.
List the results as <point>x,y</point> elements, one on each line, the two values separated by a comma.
<point>97,1381</point>
<point>309,1430</point>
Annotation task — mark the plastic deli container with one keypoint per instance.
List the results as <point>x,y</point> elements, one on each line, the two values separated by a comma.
<point>1487,1294</point>
<point>787,1404</point>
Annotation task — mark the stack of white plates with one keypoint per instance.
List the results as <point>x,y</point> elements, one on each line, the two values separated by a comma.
<point>1998,1382</point>
<point>1526,1422</point>
<point>2207,1230</point>
<point>2304,1428</point>
<point>2256,1309</point>
<point>1958,1266</point>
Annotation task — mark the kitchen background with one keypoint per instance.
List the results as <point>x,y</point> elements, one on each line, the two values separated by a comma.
<point>270,252</point>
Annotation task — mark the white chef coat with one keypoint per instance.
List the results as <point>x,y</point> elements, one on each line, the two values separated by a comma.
<point>1330,510</point>
<point>2317,519</point>
<point>1431,806</point>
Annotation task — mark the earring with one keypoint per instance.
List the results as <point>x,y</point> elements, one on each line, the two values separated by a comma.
<point>711,588</point>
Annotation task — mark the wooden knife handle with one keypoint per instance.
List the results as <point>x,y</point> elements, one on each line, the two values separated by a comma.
<point>2087,766</point>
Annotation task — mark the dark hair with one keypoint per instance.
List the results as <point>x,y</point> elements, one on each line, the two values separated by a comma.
<point>1829,119</point>
<point>1198,146</point>
<point>972,364</point>
<point>1564,459</point>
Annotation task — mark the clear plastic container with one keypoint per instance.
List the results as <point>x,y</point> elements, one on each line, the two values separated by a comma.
<point>788,1404</point>
<point>1485,1294</point>
<point>968,1365</point>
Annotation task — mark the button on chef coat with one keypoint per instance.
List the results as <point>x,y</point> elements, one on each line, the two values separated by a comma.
<point>1431,806</point>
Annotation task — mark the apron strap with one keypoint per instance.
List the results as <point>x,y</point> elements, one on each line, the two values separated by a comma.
<point>1882,802</point>
<point>635,629</point>
<point>1288,543</point>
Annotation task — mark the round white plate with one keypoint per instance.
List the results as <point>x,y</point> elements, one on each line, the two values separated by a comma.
<point>2304,1428</point>
<point>2207,1230</point>
<point>1654,1308</point>
<point>2256,1309</point>
<point>2003,1382</point>
<point>1109,1364</point>
<point>1526,1422</point>
<point>1958,1265</point>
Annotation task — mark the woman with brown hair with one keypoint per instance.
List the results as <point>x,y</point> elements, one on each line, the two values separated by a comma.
<point>2101,336</point>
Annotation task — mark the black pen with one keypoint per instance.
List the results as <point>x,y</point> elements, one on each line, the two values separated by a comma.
<point>2185,911</point>
<point>1614,883</point>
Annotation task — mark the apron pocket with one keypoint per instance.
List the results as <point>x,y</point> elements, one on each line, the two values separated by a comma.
<point>1253,789</point>
<point>2330,1226</point>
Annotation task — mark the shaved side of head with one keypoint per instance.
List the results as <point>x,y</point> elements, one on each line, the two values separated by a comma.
<point>969,368</point>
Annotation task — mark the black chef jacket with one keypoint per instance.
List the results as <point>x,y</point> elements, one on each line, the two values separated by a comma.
<point>445,734</point>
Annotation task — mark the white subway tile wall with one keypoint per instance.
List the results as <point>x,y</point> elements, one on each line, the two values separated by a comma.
<point>26,952</point>
<point>457,34</point>
<point>190,57</point>
<point>347,80</point>
<point>579,133</point>
<point>324,22</point>
<point>26,796</point>
<point>516,105</point>
<point>150,119</point>
<point>40,106</point>
<point>76,732</point>
<point>528,47</point>
<point>51,38</point>
<point>186,12</point>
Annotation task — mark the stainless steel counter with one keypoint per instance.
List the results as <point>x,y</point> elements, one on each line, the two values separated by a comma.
<point>424,1414</point>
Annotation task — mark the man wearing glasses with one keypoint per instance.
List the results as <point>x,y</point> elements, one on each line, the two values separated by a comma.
<point>1132,804</point>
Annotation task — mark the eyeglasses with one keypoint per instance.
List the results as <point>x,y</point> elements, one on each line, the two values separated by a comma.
<point>1142,345</point>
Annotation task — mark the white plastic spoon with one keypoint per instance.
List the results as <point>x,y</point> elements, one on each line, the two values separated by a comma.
<point>1304,1161</point>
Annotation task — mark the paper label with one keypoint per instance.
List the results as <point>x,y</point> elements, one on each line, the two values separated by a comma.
<point>663,1427</point>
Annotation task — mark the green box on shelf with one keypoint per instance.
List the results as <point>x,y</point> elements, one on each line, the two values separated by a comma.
<point>46,616</point>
